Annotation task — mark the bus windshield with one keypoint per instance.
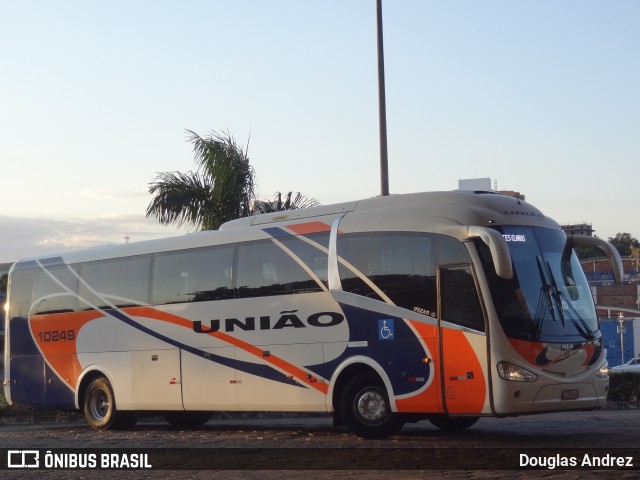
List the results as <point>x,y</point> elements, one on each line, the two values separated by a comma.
<point>548,299</point>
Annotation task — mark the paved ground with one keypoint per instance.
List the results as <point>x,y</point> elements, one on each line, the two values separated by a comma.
<point>290,442</point>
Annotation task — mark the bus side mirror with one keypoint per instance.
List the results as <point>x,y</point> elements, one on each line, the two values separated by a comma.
<point>498,247</point>
<point>608,249</point>
<point>492,238</point>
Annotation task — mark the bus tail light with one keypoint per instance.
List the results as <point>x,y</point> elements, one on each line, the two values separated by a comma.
<point>509,371</point>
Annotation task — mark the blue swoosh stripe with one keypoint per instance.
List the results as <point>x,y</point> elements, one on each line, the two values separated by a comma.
<point>264,371</point>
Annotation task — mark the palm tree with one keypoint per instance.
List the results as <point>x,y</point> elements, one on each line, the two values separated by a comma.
<point>222,189</point>
<point>277,205</point>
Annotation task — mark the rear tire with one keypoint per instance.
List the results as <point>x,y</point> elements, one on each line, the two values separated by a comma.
<point>100,407</point>
<point>365,407</point>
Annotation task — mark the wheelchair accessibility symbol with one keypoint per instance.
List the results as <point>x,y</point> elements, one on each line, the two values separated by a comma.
<point>385,329</point>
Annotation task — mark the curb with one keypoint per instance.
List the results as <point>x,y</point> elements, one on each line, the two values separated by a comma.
<point>51,416</point>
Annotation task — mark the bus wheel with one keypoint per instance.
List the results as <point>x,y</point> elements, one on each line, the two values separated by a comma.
<point>365,408</point>
<point>100,407</point>
<point>187,419</point>
<point>445,422</point>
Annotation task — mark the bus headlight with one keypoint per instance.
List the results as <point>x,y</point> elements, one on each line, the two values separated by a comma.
<point>509,371</point>
<point>603,371</point>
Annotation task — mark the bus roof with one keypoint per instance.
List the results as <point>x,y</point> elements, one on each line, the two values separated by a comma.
<point>430,208</point>
<point>462,207</point>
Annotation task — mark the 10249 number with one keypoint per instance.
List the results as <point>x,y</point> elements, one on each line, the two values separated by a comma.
<point>57,336</point>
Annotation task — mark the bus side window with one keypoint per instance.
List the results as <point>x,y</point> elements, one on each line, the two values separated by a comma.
<point>196,275</point>
<point>121,282</point>
<point>451,251</point>
<point>315,257</point>
<point>3,282</point>
<point>265,269</point>
<point>459,298</point>
<point>401,265</point>
<point>21,292</point>
<point>55,291</point>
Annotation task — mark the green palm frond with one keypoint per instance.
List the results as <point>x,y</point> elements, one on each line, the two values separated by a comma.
<point>226,167</point>
<point>222,189</point>
<point>181,198</point>
<point>278,205</point>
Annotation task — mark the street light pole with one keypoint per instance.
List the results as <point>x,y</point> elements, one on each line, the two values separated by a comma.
<point>621,322</point>
<point>382,108</point>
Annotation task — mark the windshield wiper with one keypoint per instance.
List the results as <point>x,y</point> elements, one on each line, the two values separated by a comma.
<point>561,300</point>
<point>553,289</point>
<point>551,295</point>
<point>545,294</point>
<point>582,327</point>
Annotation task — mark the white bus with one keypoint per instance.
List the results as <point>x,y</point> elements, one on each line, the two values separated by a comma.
<point>446,306</point>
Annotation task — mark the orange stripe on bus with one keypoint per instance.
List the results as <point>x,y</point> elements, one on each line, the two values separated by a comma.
<point>309,227</point>
<point>56,335</point>
<point>589,350</point>
<point>527,350</point>
<point>300,374</point>
<point>466,396</point>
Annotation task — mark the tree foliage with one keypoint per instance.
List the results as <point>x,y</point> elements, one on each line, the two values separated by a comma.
<point>222,188</point>
<point>624,243</point>
<point>279,205</point>
<point>584,253</point>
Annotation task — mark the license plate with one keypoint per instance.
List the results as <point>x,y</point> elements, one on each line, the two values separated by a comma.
<point>570,394</point>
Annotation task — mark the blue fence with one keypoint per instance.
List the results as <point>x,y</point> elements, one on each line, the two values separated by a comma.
<point>611,341</point>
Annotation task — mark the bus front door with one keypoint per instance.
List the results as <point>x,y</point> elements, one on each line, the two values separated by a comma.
<point>462,342</point>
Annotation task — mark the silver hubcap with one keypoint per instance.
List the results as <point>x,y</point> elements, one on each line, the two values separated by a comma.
<point>372,406</point>
<point>99,404</point>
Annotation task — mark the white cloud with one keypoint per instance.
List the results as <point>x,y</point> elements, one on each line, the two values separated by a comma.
<point>105,193</point>
<point>27,237</point>
<point>73,241</point>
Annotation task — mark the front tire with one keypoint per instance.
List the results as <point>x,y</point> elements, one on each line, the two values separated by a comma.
<point>365,407</point>
<point>100,407</point>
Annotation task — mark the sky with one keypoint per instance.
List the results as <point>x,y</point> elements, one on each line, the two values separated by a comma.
<point>96,98</point>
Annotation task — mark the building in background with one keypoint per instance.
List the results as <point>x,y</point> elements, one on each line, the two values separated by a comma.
<point>480,184</point>
<point>579,229</point>
<point>484,185</point>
